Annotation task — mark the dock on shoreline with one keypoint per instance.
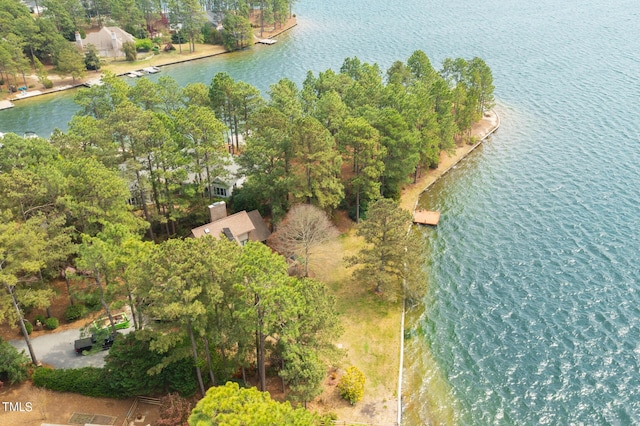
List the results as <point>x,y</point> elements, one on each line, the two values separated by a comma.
<point>124,69</point>
<point>6,104</point>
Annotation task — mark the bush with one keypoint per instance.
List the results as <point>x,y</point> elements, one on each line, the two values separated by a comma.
<point>129,49</point>
<point>91,298</point>
<point>51,323</point>
<point>74,312</point>
<point>28,326</point>
<point>39,319</point>
<point>88,381</point>
<point>48,84</point>
<point>169,47</point>
<point>351,385</point>
<point>14,364</point>
<point>179,37</point>
<point>144,45</point>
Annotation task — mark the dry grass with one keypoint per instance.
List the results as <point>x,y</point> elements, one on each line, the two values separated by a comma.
<point>371,338</point>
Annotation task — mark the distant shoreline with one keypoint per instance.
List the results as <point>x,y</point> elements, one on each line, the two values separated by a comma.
<point>122,68</point>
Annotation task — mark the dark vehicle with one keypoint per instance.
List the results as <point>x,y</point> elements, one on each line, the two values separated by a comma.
<point>88,343</point>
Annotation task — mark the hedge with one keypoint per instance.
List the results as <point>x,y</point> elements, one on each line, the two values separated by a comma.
<point>89,381</point>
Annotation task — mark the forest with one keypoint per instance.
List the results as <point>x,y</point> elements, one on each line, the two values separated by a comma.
<point>115,196</point>
<point>40,39</point>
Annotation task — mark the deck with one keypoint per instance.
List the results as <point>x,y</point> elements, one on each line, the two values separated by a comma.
<point>6,105</point>
<point>267,41</point>
<point>426,217</point>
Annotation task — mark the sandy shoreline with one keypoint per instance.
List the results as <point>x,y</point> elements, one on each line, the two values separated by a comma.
<point>123,67</point>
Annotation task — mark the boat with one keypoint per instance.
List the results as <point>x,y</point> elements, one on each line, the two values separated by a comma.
<point>135,74</point>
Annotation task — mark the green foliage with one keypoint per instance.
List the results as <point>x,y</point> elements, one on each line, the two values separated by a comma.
<point>39,319</point>
<point>13,364</point>
<point>28,326</point>
<point>237,33</point>
<point>144,45</point>
<point>178,37</point>
<point>90,298</point>
<point>382,260</point>
<point>88,381</point>
<point>48,84</point>
<point>91,59</point>
<point>51,323</point>
<point>127,366</point>
<point>180,377</point>
<point>74,312</point>
<point>351,385</point>
<point>230,404</point>
<point>129,49</point>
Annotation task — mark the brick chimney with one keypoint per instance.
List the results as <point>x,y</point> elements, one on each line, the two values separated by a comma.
<point>218,211</point>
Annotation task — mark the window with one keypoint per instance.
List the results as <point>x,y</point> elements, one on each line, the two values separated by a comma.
<point>220,192</point>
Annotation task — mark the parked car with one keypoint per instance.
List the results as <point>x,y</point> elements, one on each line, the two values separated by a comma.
<point>88,343</point>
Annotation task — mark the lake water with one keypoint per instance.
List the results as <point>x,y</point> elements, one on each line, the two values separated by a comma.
<point>533,309</point>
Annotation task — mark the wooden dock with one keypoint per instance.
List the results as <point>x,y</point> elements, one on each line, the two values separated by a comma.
<point>6,105</point>
<point>426,217</point>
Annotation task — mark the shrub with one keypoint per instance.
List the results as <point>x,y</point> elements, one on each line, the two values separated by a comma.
<point>351,385</point>
<point>14,364</point>
<point>169,47</point>
<point>144,45</point>
<point>74,312</point>
<point>28,326</point>
<point>129,49</point>
<point>48,84</point>
<point>179,37</point>
<point>51,323</point>
<point>88,381</point>
<point>39,319</point>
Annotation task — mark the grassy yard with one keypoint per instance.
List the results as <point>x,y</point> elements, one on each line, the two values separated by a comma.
<point>371,337</point>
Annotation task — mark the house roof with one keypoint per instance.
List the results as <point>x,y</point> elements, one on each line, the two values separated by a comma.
<point>261,232</point>
<point>102,39</point>
<point>234,226</point>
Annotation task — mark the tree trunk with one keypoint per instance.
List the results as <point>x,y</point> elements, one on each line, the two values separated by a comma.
<point>132,307</point>
<point>282,379</point>
<point>194,350</point>
<point>209,363</point>
<point>27,340</point>
<point>66,280</point>
<point>104,303</point>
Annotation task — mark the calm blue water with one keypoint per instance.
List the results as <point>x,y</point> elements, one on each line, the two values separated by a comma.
<point>533,310</point>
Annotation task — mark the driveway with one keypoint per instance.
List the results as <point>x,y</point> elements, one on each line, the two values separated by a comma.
<point>56,349</point>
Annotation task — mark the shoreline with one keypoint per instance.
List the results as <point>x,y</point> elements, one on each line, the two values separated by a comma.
<point>410,196</point>
<point>122,68</point>
<point>482,129</point>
